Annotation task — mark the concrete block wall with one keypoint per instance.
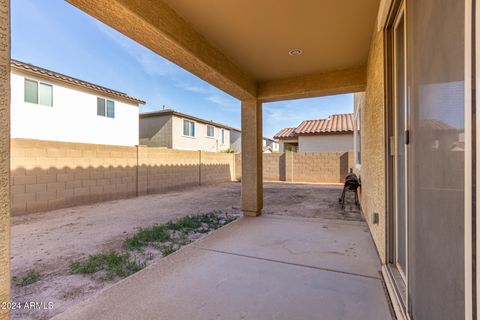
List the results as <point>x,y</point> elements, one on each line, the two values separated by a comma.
<point>217,167</point>
<point>274,166</point>
<point>238,166</point>
<point>161,170</point>
<point>320,167</point>
<point>50,175</point>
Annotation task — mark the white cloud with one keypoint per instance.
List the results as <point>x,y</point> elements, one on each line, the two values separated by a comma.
<point>225,103</point>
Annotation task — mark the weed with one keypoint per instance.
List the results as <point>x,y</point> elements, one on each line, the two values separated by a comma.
<point>145,236</point>
<point>91,265</point>
<point>168,250</point>
<point>31,277</point>
<point>112,262</point>
<point>184,223</point>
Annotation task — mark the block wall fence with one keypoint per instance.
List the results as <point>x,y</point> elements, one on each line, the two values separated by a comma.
<point>48,175</point>
<point>319,167</point>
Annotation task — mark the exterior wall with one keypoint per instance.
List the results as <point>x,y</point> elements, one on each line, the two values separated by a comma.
<point>4,156</point>
<point>200,141</point>
<point>283,142</point>
<point>50,175</point>
<point>156,131</point>
<point>372,172</point>
<point>318,167</point>
<point>326,143</point>
<point>73,117</point>
<point>236,140</point>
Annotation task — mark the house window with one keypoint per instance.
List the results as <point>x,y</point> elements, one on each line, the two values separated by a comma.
<point>110,109</point>
<point>100,107</point>
<point>38,93</point>
<point>105,108</point>
<point>223,136</point>
<point>210,131</point>
<point>188,128</point>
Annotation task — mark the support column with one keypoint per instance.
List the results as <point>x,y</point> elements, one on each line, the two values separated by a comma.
<point>4,155</point>
<point>252,158</point>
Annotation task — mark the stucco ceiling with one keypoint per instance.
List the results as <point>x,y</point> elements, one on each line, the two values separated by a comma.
<point>257,35</point>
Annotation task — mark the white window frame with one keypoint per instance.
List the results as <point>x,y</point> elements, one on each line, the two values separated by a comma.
<point>208,127</point>
<point>194,128</point>
<point>222,137</point>
<point>38,92</point>
<point>105,100</point>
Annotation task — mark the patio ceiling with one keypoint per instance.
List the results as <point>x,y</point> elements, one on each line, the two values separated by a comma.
<point>242,46</point>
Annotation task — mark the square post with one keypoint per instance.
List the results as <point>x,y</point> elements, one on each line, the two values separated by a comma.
<point>252,158</point>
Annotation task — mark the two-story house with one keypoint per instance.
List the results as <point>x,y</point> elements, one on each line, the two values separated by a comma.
<point>175,130</point>
<point>48,105</point>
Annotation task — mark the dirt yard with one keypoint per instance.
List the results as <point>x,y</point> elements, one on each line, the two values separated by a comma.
<point>47,242</point>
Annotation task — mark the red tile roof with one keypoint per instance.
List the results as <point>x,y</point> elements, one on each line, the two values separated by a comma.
<point>30,68</point>
<point>285,133</point>
<point>336,123</point>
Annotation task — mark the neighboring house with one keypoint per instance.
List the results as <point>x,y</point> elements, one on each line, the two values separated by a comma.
<point>334,134</point>
<point>175,130</point>
<point>269,145</point>
<point>47,105</point>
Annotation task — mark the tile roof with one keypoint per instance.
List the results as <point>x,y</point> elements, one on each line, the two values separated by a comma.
<point>336,123</point>
<point>333,124</point>
<point>31,69</point>
<point>285,134</point>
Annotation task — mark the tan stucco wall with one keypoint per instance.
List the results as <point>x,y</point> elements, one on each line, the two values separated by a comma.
<point>372,170</point>
<point>4,154</point>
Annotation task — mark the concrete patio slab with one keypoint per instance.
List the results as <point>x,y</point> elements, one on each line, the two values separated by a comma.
<point>289,282</point>
<point>331,244</point>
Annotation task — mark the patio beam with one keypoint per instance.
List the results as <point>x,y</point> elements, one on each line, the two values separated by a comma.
<point>156,26</point>
<point>317,85</point>
<point>252,158</point>
<point>4,155</point>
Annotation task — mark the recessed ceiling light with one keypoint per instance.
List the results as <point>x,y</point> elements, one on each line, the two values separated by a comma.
<point>295,52</point>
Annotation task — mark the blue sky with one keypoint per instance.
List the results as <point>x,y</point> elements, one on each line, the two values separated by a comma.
<point>57,36</point>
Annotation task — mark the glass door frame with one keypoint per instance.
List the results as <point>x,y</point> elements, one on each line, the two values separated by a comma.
<point>401,15</point>
<point>398,279</point>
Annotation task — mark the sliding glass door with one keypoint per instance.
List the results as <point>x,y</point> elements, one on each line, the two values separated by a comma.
<point>400,147</point>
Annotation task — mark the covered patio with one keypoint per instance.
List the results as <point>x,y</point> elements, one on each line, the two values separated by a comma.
<point>271,267</point>
<point>412,66</point>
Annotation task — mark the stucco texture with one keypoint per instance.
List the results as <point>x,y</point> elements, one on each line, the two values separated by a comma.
<point>4,155</point>
<point>372,171</point>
